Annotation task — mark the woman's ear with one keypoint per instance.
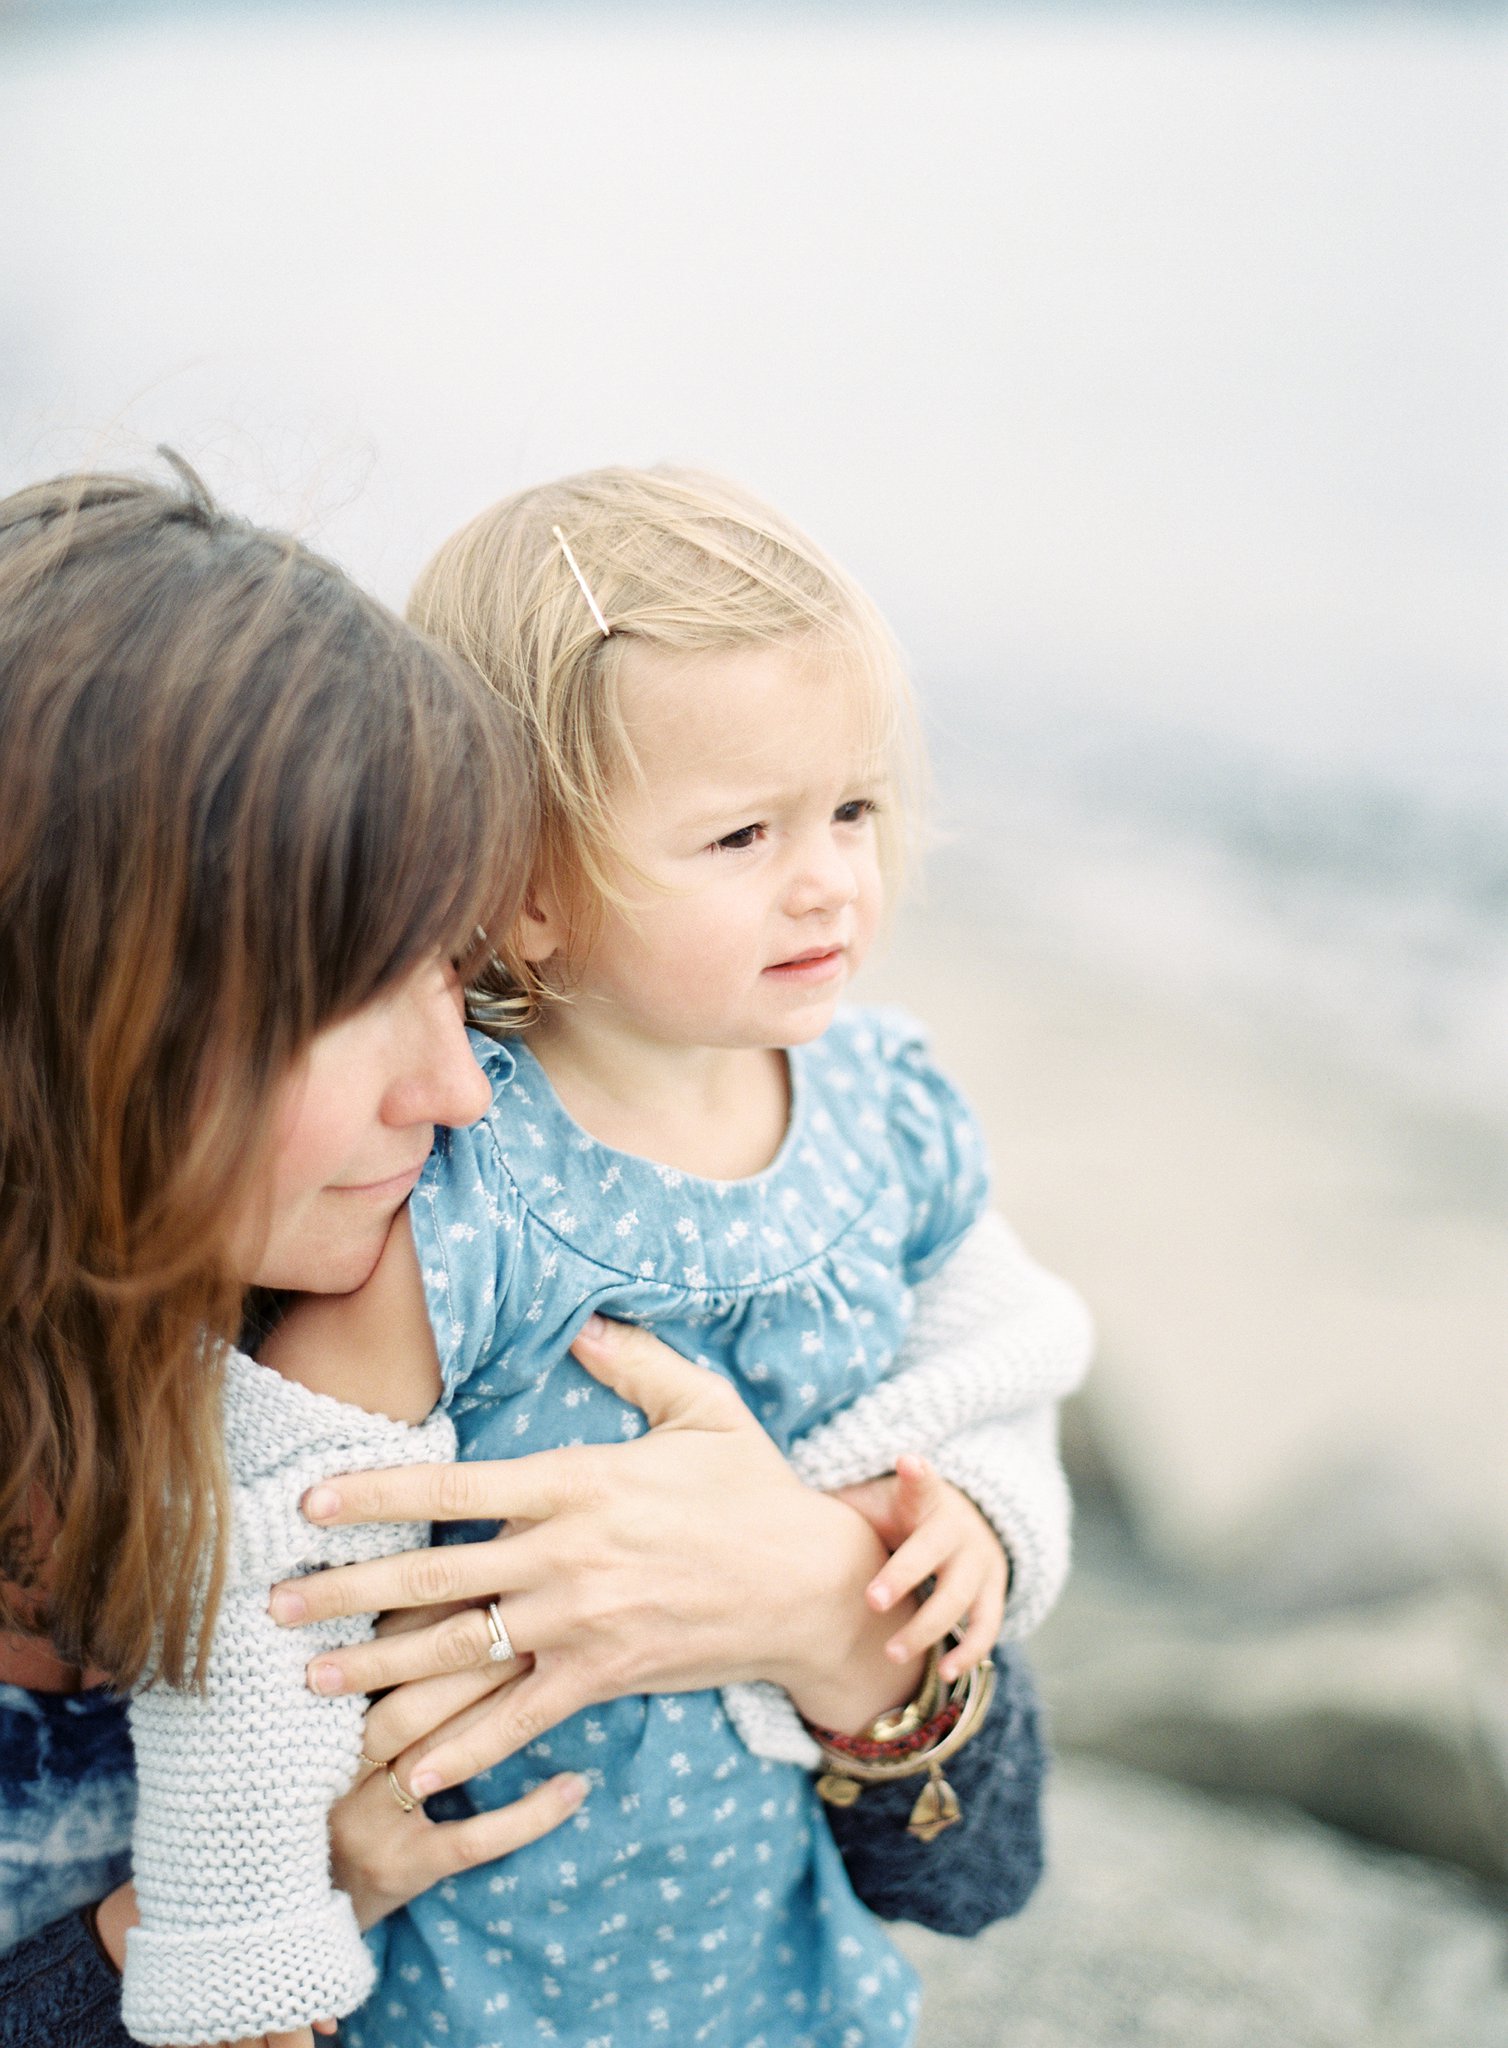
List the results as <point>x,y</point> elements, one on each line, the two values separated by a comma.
<point>542,930</point>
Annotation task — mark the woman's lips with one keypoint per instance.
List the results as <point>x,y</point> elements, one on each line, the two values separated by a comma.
<point>820,964</point>
<point>396,1185</point>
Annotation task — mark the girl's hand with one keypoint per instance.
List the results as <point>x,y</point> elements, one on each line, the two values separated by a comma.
<point>683,1559</point>
<point>936,1532</point>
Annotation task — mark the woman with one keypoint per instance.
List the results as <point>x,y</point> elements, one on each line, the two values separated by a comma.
<point>244,811</point>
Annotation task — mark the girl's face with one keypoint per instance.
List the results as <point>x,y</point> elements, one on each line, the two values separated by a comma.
<point>754,827</point>
<point>353,1123</point>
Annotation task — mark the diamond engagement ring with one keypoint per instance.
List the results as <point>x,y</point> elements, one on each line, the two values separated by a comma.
<point>500,1649</point>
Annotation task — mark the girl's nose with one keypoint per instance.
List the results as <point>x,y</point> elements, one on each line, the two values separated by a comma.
<point>824,881</point>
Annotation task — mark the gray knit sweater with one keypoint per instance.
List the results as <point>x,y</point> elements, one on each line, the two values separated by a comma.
<point>241,1929</point>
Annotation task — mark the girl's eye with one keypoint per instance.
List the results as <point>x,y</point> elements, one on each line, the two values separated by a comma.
<point>737,842</point>
<point>855,811</point>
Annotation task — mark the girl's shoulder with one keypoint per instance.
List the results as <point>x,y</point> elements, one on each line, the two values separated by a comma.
<point>874,1071</point>
<point>881,1059</point>
<point>876,1041</point>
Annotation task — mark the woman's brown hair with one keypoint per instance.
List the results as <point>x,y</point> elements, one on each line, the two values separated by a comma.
<point>237,799</point>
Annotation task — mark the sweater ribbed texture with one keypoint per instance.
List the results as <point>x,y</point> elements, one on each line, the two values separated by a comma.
<point>241,1928</point>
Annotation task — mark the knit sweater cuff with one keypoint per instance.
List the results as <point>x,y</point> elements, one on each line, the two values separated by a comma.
<point>256,1978</point>
<point>766,1719</point>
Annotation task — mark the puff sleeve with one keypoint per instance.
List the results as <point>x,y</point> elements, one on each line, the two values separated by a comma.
<point>465,1215</point>
<point>935,1142</point>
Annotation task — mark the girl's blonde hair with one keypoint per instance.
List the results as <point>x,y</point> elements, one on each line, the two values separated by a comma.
<point>677,561</point>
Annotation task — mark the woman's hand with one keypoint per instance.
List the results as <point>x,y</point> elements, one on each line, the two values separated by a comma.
<point>384,1855</point>
<point>686,1558</point>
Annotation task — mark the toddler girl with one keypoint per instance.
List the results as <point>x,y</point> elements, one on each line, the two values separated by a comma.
<point>687,1132</point>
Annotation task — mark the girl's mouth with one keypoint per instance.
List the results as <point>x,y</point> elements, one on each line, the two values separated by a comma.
<point>821,963</point>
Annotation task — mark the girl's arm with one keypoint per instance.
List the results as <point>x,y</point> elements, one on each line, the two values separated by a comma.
<point>995,1344</point>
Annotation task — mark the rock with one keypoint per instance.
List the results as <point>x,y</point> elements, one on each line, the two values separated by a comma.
<point>1390,1720</point>
<point>1170,1919</point>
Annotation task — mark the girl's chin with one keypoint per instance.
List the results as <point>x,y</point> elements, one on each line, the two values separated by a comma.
<point>805,1023</point>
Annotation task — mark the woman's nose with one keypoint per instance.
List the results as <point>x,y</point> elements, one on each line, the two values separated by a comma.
<point>441,1082</point>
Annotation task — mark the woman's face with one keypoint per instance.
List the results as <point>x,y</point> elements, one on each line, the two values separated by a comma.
<point>352,1127</point>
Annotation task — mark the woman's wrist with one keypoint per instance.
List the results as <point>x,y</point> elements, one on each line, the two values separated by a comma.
<point>835,1667</point>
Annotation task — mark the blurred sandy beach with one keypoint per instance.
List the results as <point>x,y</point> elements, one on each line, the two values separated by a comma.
<point>1290,1590</point>
<point>1298,1274</point>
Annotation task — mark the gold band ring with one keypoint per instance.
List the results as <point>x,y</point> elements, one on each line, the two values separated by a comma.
<point>372,1763</point>
<point>398,1792</point>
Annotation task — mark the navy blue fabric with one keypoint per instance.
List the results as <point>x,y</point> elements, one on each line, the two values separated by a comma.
<point>986,1867</point>
<point>67,1797</point>
<point>57,1991</point>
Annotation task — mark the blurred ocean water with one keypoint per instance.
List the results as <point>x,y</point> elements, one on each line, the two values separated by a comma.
<point>1146,363</point>
<point>1362,909</point>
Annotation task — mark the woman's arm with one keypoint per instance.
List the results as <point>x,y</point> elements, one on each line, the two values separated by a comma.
<point>241,1932</point>
<point>687,1558</point>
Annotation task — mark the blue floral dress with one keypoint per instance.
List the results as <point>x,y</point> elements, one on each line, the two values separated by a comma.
<point>698,1896</point>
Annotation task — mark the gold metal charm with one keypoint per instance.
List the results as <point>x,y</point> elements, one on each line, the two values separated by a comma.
<point>838,1790</point>
<point>936,1808</point>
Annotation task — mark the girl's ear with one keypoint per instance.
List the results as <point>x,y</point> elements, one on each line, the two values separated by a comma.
<point>542,931</point>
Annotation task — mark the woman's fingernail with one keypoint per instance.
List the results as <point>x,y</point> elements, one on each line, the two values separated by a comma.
<point>286,1606</point>
<point>880,1598</point>
<point>422,1783</point>
<point>326,1678</point>
<point>595,1328</point>
<point>897,1652</point>
<point>572,1788</point>
<point>321,1504</point>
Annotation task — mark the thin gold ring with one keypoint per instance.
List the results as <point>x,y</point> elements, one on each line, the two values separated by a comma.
<point>398,1792</point>
<point>373,1763</point>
